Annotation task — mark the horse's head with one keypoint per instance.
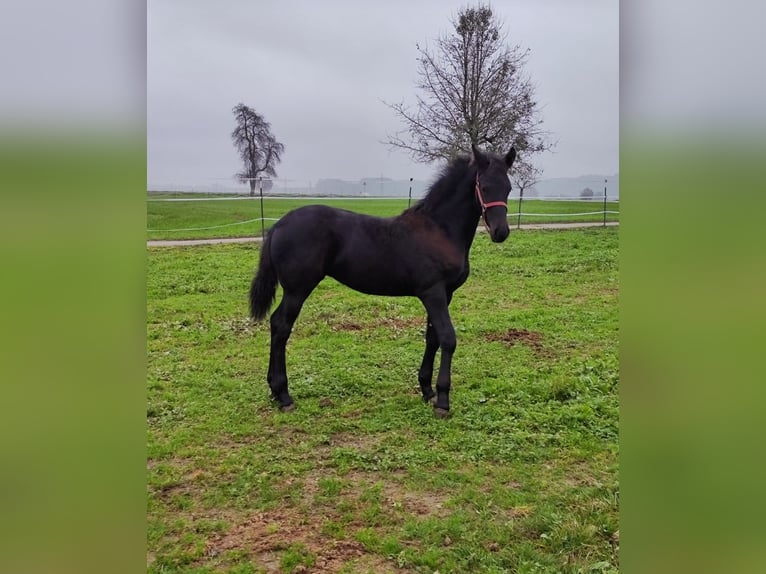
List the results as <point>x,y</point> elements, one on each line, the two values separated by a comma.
<point>492,189</point>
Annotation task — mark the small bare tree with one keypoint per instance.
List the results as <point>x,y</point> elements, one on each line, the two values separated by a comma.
<point>472,90</point>
<point>258,149</point>
<point>524,176</point>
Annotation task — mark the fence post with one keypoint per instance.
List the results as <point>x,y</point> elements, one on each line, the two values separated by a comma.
<point>260,187</point>
<point>604,202</point>
<point>518,219</point>
<point>409,197</point>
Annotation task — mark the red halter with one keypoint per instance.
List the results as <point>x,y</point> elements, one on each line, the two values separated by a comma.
<point>486,206</point>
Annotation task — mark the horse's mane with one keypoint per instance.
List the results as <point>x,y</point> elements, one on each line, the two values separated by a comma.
<point>439,192</point>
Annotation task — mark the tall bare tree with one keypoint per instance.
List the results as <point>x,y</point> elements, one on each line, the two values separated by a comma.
<point>471,90</point>
<point>258,149</point>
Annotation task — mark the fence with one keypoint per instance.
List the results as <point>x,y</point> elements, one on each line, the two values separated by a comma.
<point>323,187</point>
<point>377,189</point>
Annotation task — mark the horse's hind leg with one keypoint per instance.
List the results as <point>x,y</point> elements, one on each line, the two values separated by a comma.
<point>282,321</point>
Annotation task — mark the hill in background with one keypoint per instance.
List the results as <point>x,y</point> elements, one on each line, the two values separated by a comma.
<point>554,188</point>
<point>572,187</point>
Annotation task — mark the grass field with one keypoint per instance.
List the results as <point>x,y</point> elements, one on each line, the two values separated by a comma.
<point>194,217</point>
<point>362,477</point>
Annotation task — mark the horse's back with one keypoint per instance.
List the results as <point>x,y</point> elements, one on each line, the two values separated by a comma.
<point>316,228</point>
<point>322,231</point>
<point>305,242</point>
<point>383,256</point>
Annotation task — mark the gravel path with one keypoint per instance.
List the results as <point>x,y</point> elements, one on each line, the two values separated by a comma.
<point>190,242</point>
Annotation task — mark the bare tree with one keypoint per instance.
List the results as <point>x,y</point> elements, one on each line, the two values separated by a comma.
<point>524,176</point>
<point>472,90</point>
<point>258,149</point>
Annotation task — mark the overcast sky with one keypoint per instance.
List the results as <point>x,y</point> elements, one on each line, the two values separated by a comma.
<point>320,71</point>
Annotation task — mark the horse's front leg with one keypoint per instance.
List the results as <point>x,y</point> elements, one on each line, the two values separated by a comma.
<point>436,303</point>
<point>426,372</point>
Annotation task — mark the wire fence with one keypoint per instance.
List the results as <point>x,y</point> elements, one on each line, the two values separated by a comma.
<point>327,190</point>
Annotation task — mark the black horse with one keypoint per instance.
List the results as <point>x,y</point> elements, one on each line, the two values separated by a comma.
<point>423,253</point>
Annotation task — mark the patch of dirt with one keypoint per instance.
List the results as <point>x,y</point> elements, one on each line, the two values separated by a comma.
<point>311,487</point>
<point>423,504</point>
<point>520,511</point>
<point>395,497</point>
<point>240,325</point>
<point>584,473</point>
<point>168,491</point>
<point>371,563</point>
<point>394,323</point>
<point>276,435</point>
<point>399,322</point>
<point>511,337</point>
<point>181,462</point>
<point>263,535</point>
<point>346,326</point>
<point>188,479</point>
<point>194,475</point>
<point>353,440</point>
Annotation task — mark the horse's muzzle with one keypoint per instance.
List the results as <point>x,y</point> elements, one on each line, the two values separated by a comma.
<point>500,234</point>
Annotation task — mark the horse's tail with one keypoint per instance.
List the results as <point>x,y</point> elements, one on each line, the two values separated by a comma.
<point>263,289</point>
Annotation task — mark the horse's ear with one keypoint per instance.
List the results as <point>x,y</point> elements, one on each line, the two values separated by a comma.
<point>478,158</point>
<point>510,156</point>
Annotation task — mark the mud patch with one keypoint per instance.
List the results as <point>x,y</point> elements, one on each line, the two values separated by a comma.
<point>511,337</point>
<point>346,326</point>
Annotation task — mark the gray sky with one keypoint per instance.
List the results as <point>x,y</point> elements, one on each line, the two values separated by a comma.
<point>319,71</point>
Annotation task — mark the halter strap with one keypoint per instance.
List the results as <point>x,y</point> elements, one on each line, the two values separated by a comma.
<point>486,206</point>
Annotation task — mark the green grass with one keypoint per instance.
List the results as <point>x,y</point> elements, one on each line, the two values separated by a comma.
<point>362,477</point>
<point>165,216</point>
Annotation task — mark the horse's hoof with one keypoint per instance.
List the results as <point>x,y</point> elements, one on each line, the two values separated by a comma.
<point>431,399</point>
<point>287,408</point>
<point>441,413</point>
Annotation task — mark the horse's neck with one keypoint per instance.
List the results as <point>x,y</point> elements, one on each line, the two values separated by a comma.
<point>459,219</point>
